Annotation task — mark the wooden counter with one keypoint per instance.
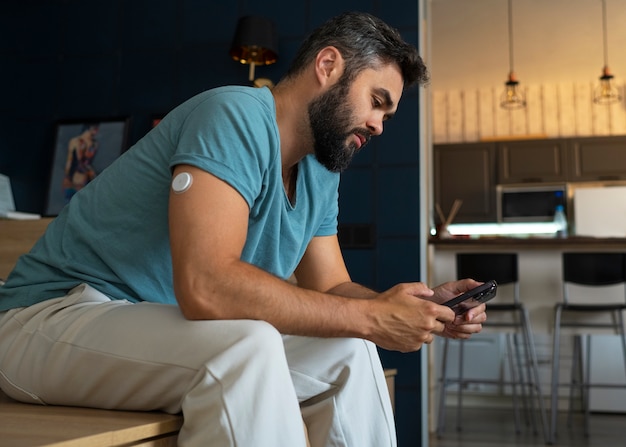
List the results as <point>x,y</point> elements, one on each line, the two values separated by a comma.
<point>573,243</point>
<point>16,238</point>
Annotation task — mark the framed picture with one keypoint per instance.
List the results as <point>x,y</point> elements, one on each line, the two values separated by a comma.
<point>82,149</point>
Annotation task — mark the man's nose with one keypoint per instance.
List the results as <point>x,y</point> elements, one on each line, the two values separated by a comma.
<point>375,125</point>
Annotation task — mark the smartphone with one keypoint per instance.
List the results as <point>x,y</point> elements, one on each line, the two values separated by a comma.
<point>473,297</point>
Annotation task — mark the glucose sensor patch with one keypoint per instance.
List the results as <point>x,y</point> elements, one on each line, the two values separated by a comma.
<point>182,182</point>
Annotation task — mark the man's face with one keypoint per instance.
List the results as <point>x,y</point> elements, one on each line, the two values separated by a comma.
<point>346,116</point>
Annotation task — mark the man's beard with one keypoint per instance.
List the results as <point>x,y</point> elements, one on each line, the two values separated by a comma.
<point>330,116</point>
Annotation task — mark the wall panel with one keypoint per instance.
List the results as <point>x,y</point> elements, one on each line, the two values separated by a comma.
<point>552,111</point>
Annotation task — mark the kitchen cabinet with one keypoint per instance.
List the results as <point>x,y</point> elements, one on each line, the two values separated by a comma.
<point>532,161</point>
<point>466,172</point>
<point>471,171</point>
<point>597,158</point>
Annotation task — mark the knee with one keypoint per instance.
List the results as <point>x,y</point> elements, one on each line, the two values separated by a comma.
<point>340,355</point>
<point>261,332</point>
<point>354,350</point>
<point>260,339</point>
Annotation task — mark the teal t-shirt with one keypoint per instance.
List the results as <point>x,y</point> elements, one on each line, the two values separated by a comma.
<point>113,234</point>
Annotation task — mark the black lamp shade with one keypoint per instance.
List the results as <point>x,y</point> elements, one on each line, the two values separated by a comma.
<point>255,41</point>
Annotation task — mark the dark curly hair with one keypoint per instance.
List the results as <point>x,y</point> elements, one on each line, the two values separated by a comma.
<point>364,41</point>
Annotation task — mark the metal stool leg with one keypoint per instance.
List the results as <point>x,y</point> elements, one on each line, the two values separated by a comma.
<point>535,384</point>
<point>620,319</point>
<point>524,376</point>
<point>441,419</point>
<point>459,407</point>
<point>514,379</point>
<point>585,384</point>
<point>555,374</point>
<point>575,382</point>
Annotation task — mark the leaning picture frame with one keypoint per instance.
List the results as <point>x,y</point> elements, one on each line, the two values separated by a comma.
<point>82,149</point>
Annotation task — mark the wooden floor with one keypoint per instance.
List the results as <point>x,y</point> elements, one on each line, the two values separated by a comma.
<point>495,428</point>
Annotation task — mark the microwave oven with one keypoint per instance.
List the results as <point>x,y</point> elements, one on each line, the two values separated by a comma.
<point>527,202</point>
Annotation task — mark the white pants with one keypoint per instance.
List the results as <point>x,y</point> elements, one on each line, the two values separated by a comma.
<point>237,382</point>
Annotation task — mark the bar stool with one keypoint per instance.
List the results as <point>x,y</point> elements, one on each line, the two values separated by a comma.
<point>587,277</point>
<point>509,317</point>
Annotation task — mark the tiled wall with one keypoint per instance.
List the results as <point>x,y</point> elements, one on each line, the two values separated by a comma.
<point>68,59</point>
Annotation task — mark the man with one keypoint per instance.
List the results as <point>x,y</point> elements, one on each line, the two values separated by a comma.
<point>162,285</point>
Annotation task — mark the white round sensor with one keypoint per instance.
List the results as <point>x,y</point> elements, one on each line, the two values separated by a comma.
<point>182,182</point>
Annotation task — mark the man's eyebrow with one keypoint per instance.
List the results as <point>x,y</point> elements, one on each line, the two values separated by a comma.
<point>385,95</point>
<point>387,101</point>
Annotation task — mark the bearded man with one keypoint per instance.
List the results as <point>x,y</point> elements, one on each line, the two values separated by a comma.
<point>163,285</point>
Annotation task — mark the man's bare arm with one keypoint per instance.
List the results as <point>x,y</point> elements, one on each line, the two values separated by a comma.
<point>208,229</point>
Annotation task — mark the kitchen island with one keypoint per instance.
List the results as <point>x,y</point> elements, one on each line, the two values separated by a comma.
<point>539,264</point>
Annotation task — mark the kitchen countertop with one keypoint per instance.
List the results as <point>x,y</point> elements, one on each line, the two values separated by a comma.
<point>581,242</point>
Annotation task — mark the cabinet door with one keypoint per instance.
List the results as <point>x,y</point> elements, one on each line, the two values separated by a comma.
<point>532,161</point>
<point>466,172</point>
<point>598,158</point>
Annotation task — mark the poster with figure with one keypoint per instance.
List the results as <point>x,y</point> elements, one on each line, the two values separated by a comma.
<point>82,150</point>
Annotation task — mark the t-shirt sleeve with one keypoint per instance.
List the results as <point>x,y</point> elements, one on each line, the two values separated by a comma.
<point>223,135</point>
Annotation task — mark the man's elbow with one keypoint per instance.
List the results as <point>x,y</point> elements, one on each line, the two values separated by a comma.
<point>196,305</point>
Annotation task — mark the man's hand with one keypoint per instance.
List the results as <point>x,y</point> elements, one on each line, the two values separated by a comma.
<point>406,317</point>
<point>468,323</point>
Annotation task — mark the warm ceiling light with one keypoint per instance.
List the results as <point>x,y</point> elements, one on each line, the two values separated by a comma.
<point>605,93</point>
<point>255,42</point>
<point>512,98</point>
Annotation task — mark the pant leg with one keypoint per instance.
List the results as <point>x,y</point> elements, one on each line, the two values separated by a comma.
<point>229,378</point>
<point>342,391</point>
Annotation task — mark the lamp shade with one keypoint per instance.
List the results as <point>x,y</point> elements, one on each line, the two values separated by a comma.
<point>255,41</point>
<point>606,92</point>
<point>513,97</point>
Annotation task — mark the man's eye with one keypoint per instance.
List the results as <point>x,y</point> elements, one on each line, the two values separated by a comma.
<point>376,102</point>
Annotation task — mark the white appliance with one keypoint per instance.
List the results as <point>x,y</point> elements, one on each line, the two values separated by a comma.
<point>599,209</point>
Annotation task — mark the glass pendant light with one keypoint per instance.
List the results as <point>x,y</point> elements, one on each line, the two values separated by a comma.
<point>512,98</point>
<point>605,93</point>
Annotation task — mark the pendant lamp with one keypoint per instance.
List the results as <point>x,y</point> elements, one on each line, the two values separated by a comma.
<point>605,93</point>
<point>512,98</point>
<point>255,43</point>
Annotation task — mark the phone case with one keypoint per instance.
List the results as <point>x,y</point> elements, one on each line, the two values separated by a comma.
<point>474,297</point>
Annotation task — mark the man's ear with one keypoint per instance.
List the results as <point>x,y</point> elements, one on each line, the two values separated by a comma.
<point>329,65</point>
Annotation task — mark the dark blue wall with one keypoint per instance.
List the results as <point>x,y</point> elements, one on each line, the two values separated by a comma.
<point>67,59</point>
